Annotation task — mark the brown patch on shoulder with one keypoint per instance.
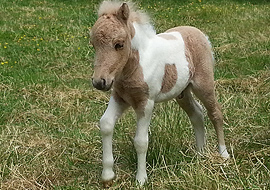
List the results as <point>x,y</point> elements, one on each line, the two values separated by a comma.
<point>169,78</point>
<point>130,87</point>
<point>167,36</point>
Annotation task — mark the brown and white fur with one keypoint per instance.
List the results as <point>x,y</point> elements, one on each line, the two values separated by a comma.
<point>144,68</point>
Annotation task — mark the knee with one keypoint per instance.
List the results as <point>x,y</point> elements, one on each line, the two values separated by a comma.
<point>106,126</point>
<point>141,144</point>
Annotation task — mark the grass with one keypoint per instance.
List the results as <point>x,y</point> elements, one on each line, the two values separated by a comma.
<point>49,112</point>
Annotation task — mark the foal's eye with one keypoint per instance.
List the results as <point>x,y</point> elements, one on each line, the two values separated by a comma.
<point>118,46</point>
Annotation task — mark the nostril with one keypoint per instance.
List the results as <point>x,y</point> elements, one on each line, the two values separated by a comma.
<point>103,81</point>
<point>99,84</point>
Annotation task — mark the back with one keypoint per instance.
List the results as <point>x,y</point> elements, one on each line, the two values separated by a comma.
<point>197,48</point>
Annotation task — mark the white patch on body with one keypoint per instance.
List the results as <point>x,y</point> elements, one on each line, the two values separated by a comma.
<point>155,52</point>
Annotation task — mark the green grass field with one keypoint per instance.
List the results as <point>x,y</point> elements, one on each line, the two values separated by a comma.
<point>49,111</point>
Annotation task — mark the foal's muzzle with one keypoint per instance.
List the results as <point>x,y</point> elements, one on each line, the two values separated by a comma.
<point>102,84</point>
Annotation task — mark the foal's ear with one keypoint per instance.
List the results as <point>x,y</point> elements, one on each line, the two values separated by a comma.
<point>123,12</point>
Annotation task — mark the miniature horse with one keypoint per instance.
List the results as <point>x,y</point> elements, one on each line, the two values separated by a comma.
<point>143,68</point>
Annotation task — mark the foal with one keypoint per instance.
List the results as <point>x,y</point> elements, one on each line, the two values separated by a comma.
<point>144,68</point>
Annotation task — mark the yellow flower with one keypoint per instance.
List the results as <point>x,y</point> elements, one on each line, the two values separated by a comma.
<point>2,63</point>
<point>38,49</point>
<point>5,47</point>
<point>79,48</point>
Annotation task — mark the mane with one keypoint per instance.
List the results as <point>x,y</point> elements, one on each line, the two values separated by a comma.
<point>136,15</point>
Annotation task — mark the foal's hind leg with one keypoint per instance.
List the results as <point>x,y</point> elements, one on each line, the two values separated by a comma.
<point>195,114</point>
<point>203,88</point>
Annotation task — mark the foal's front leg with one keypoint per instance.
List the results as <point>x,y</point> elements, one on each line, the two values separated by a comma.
<point>107,122</point>
<point>141,140</point>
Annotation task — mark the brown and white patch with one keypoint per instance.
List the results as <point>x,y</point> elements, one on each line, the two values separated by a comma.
<point>198,51</point>
<point>130,87</point>
<point>169,78</point>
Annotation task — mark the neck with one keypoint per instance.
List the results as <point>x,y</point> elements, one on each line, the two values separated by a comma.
<point>143,33</point>
<point>131,66</point>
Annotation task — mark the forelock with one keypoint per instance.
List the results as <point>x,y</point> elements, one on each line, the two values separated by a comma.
<point>111,8</point>
<point>108,7</point>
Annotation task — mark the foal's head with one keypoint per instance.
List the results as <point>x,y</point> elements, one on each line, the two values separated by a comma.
<point>111,37</point>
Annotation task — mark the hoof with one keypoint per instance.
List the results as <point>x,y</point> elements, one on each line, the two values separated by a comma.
<point>225,155</point>
<point>141,179</point>
<point>107,184</point>
<point>107,178</point>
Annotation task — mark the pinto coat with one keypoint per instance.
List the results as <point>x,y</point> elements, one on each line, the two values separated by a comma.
<point>144,68</point>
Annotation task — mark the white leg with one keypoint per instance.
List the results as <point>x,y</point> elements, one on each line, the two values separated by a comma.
<point>113,112</point>
<point>197,122</point>
<point>141,141</point>
<point>195,114</point>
